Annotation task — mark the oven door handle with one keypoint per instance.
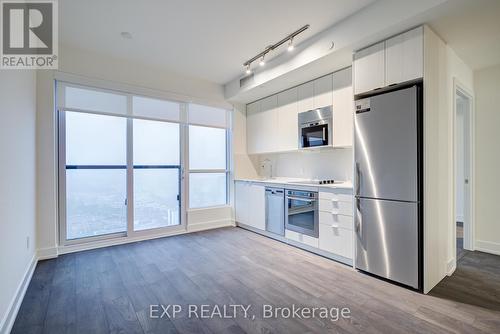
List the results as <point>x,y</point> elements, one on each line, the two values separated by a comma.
<point>301,199</point>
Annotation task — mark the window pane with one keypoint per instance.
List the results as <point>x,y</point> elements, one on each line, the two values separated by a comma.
<point>156,143</point>
<point>95,202</point>
<point>95,139</point>
<point>207,148</point>
<point>204,115</point>
<point>88,99</point>
<point>207,189</point>
<point>156,202</point>
<point>154,108</point>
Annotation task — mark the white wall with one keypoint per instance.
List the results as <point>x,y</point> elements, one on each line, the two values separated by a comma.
<point>17,185</point>
<point>442,68</point>
<point>487,159</point>
<point>80,65</point>
<point>315,164</point>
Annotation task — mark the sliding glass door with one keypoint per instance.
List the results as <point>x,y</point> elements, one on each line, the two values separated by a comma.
<point>96,174</point>
<point>100,183</point>
<point>156,174</point>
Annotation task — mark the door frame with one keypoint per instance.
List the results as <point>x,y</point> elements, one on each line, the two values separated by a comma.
<point>469,192</point>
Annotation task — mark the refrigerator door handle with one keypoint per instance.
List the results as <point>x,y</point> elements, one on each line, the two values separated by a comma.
<point>359,222</point>
<point>358,179</point>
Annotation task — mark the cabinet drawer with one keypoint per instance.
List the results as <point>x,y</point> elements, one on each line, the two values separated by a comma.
<point>302,238</point>
<point>335,197</point>
<point>336,240</point>
<point>335,207</point>
<point>339,221</point>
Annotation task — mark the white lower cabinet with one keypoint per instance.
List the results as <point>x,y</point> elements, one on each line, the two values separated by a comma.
<point>250,204</point>
<point>336,223</point>
<point>302,238</point>
<point>336,240</point>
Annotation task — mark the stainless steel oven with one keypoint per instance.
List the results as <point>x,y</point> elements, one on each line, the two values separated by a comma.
<point>316,127</point>
<point>302,212</point>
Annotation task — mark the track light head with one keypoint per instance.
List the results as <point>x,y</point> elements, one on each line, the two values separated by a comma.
<point>290,45</point>
<point>248,71</point>
<point>262,62</point>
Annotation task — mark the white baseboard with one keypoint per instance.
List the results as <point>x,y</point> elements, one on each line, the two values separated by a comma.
<point>15,304</point>
<point>210,225</point>
<point>120,241</point>
<point>487,247</point>
<point>451,266</point>
<point>47,253</point>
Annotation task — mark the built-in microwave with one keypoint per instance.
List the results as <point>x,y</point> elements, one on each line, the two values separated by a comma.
<point>316,127</point>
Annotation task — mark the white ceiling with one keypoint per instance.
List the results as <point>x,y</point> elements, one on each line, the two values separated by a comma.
<point>203,39</point>
<point>472,29</point>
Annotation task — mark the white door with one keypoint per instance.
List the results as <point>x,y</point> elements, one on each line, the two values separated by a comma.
<point>288,120</point>
<point>257,206</point>
<point>241,197</point>
<point>369,68</point>
<point>343,108</point>
<point>323,88</point>
<point>404,57</point>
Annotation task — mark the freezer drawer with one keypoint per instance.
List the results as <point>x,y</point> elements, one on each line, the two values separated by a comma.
<point>386,146</point>
<point>387,239</point>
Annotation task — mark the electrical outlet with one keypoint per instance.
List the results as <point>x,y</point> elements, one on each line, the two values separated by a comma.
<point>27,242</point>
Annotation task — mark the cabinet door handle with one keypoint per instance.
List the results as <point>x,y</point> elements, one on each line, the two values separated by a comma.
<point>335,212</point>
<point>335,226</point>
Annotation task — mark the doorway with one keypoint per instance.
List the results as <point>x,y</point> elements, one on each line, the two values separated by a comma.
<point>464,231</point>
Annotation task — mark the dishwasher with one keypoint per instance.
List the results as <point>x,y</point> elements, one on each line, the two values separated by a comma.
<point>275,210</point>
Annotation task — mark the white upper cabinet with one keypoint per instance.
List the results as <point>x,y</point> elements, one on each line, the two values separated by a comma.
<point>404,57</point>
<point>262,120</point>
<point>343,108</point>
<point>322,89</point>
<point>288,120</point>
<point>272,123</point>
<point>396,60</point>
<point>369,68</point>
<point>253,126</point>
<point>305,94</point>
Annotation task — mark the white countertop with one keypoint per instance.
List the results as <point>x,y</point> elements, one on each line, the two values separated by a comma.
<point>299,182</point>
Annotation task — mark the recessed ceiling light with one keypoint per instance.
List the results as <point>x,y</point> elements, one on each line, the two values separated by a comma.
<point>126,35</point>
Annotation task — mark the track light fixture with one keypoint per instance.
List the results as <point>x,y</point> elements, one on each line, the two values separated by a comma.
<point>262,62</point>
<point>270,48</point>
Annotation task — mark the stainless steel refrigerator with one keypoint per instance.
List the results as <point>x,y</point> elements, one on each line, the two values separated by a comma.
<point>388,185</point>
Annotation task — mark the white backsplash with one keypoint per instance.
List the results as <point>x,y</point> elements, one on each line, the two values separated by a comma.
<point>314,164</point>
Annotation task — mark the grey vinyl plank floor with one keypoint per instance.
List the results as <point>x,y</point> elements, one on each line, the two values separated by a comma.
<point>110,290</point>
